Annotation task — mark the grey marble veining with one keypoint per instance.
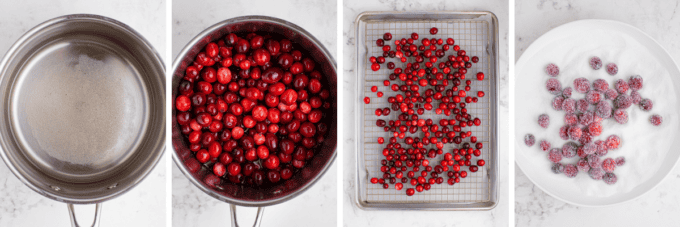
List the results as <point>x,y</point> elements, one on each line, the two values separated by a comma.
<point>144,205</point>
<point>315,207</point>
<point>660,206</point>
<point>354,216</point>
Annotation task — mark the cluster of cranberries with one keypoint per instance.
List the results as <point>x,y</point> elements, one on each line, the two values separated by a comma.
<point>252,109</point>
<point>583,121</point>
<point>423,85</point>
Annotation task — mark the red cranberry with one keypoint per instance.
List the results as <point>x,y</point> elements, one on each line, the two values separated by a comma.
<point>273,176</point>
<point>182,103</point>
<point>289,97</point>
<point>379,42</point>
<point>273,46</point>
<point>286,45</point>
<point>286,173</point>
<point>202,156</point>
<point>234,169</point>
<point>219,169</point>
<point>272,162</point>
<point>387,36</point>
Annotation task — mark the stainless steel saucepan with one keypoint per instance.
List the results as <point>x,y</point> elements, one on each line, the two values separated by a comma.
<point>82,100</point>
<point>246,195</point>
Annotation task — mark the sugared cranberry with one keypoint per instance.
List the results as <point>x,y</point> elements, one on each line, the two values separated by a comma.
<point>552,70</point>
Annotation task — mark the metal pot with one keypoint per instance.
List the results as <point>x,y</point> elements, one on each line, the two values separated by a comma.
<point>84,117</point>
<point>245,195</point>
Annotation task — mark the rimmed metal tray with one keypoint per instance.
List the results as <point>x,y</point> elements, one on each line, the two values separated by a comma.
<point>475,32</point>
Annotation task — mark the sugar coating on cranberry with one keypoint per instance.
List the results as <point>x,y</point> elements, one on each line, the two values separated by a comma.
<point>564,132</point>
<point>602,148</point>
<point>589,148</point>
<point>581,85</point>
<point>603,110</point>
<point>585,118</point>
<point>608,165</point>
<point>621,86</point>
<point>583,165</point>
<point>593,97</point>
<point>544,120</point>
<point>621,116</point>
<point>635,97</point>
<point>610,94</point>
<point>552,70</point>
<point>580,152</point>
<point>585,137</point>
<point>566,92</point>
<point>623,101</point>
<point>557,168</point>
<point>569,150</point>
<point>555,155</point>
<point>613,142</point>
<point>595,63</point>
<point>612,69</point>
<point>569,105</point>
<point>600,85</point>
<point>635,83</point>
<point>596,173</point>
<point>557,102</point>
<point>570,119</point>
<point>609,178</point>
<point>554,86</point>
<point>597,118</point>
<point>620,161</point>
<point>570,170</point>
<point>544,145</point>
<point>582,105</point>
<point>646,104</point>
<point>595,129</point>
<point>574,133</point>
<point>594,161</point>
<point>529,140</point>
<point>656,119</point>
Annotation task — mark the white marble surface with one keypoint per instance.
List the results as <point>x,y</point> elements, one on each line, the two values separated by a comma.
<point>145,204</point>
<point>354,216</point>
<point>659,207</point>
<point>315,207</point>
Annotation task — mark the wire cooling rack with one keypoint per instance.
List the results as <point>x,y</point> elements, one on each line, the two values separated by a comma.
<point>477,34</point>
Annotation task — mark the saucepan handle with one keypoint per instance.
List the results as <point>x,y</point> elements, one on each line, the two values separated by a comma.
<point>72,215</point>
<point>258,217</point>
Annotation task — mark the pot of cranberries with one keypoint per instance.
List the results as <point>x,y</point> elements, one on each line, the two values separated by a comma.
<point>254,113</point>
<point>84,101</point>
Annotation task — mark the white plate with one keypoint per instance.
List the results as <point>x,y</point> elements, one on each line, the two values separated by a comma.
<point>544,178</point>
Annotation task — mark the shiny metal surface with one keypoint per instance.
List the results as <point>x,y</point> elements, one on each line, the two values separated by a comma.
<point>245,195</point>
<point>258,216</point>
<point>477,33</point>
<point>97,215</point>
<point>83,108</point>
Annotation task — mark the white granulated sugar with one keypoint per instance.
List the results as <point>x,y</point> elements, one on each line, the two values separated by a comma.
<point>643,145</point>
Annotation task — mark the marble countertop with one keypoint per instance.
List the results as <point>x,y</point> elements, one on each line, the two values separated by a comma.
<point>315,207</point>
<point>660,206</point>
<point>144,205</point>
<point>353,215</point>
